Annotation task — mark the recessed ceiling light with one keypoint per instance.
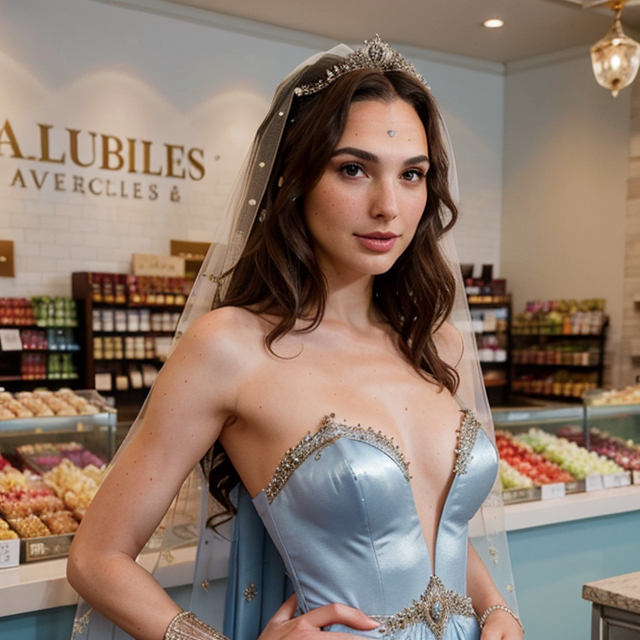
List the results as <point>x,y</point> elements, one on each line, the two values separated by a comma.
<point>493,23</point>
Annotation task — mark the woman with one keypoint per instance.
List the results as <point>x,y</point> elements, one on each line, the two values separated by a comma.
<point>334,306</point>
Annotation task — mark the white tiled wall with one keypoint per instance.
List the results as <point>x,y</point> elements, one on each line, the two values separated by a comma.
<point>129,73</point>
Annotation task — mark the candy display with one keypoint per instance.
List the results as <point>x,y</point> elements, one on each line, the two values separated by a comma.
<point>54,312</point>
<point>44,456</point>
<point>628,395</point>
<point>13,480</point>
<point>29,527</point>
<point>561,317</point>
<point>118,288</point>
<point>521,458</point>
<point>5,531</point>
<point>75,486</point>
<point>59,522</point>
<point>579,462</point>
<point>16,312</point>
<point>33,505</point>
<point>512,479</point>
<point>624,453</point>
<point>29,404</point>
<point>20,504</point>
<point>557,383</point>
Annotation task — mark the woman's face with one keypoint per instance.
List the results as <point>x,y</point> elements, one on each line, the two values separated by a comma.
<point>366,207</point>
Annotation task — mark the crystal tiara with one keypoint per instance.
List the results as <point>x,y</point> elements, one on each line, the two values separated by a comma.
<point>375,54</point>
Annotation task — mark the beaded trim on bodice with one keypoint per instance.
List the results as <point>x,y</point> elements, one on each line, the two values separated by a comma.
<point>331,431</point>
<point>467,435</point>
<point>435,607</point>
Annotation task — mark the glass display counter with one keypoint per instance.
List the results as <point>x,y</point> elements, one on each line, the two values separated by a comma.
<point>552,420</point>
<point>550,452</point>
<point>54,448</point>
<point>95,432</point>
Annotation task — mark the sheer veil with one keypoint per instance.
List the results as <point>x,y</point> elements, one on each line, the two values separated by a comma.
<point>185,522</point>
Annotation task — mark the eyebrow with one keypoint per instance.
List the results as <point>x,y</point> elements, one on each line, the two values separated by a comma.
<point>371,157</point>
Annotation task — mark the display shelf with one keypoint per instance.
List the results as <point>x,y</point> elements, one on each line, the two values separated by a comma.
<point>576,506</point>
<point>555,365</point>
<point>127,331</point>
<point>490,318</point>
<point>51,360</point>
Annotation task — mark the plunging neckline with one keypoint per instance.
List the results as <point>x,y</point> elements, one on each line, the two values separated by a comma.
<point>332,431</point>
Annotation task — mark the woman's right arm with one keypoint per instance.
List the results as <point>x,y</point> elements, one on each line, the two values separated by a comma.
<point>192,398</point>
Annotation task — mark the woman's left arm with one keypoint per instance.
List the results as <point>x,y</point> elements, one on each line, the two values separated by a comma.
<point>498,621</point>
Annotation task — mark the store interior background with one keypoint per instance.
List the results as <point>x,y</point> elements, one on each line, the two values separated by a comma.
<point>547,163</point>
<point>543,152</point>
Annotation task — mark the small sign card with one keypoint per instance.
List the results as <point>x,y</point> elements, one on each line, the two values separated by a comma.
<point>10,340</point>
<point>552,491</point>
<point>9,553</point>
<point>144,264</point>
<point>593,482</point>
<point>616,480</point>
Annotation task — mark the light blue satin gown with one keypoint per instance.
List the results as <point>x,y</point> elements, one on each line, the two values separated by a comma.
<point>341,514</point>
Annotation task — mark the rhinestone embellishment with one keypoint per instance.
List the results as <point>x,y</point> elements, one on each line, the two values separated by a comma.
<point>375,54</point>
<point>466,439</point>
<point>250,592</point>
<point>80,624</point>
<point>330,432</point>
<point>434,607</point>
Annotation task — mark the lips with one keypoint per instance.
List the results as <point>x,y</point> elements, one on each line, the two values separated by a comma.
<point>377,240</point>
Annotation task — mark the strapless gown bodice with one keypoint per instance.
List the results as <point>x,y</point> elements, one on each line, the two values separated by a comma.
<point>341,512</point>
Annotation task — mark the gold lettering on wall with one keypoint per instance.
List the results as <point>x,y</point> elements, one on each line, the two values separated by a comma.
<point>8,137</point>
<point>73,147</point>
<point>44,145</point>
<point>107,152</point>
<point>197,163</point>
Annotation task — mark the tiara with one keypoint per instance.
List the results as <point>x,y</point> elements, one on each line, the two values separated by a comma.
<point>375,54</point>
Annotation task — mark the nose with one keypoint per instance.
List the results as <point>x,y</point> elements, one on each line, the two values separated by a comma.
<point>385,200</point>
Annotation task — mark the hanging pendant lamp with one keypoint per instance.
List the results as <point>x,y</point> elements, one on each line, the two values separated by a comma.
<point>615,58</point>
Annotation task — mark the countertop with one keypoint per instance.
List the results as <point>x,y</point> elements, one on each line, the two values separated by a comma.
<point>620,592</point>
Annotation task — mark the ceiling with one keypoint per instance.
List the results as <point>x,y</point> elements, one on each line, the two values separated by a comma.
<point>532,27</point>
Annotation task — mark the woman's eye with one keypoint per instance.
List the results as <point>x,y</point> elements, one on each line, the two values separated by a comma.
<point>414,175</point>
<point>351,169</point>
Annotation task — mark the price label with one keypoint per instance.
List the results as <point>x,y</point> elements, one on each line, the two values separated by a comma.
<point>10,340</point>
<point>636,477</point>
<point>594,482</point>
<point>552,491</point>
<point>9,553</point>
<point>616,480</point>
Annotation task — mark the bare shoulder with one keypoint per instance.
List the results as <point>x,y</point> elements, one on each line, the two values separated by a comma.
<point>228,336</point>
<point>211,365</point>
<point>450,344</point>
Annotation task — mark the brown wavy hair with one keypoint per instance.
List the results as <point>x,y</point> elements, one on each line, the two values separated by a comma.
<point>278,273</point>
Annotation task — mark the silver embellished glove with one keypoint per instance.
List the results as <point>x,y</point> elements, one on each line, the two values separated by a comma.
<point>185,626</point>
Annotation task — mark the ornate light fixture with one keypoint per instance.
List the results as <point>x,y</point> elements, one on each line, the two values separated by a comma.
<point>615,58</point>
